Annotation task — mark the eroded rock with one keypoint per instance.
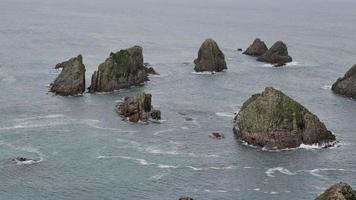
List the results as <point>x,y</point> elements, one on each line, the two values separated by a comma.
<point>273,120</point>
<point>257,48</point>
<point>210,57</point>
<point>346,85</point>
<point>276,55</point>
<point>71,80</point>
<point>339,191</point>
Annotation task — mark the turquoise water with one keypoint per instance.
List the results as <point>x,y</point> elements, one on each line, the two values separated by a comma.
<point>85,151</point>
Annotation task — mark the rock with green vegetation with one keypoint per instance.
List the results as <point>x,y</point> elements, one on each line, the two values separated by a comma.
<point>274,121</point>
<point>210,57</point>
<point>71,80</point>
<point>257,48</point>
<point>122,69</point>
<point>339,191</point>
<point>276,55</point>
<point>138,108</point>
<point>346,85</point>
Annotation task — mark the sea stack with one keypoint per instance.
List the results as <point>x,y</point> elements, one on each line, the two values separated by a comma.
<point>274,121</point>
<point>210,58</point>
<point>138,108</point>
<point>122,69</point>
<point>346,85</point>
<point>276,55</point>
<point>339,191</point>
<point>257,48</point>
<point>71,80</point>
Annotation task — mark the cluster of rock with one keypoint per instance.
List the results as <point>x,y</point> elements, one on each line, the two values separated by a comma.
<point>138,108</point>
<point>122,69</point>
<point>276,55</point>
<point>71,80</point>
<point>346,85</point>
<point>273,120</point>
<point>210,58</point>
<point>339,191</point>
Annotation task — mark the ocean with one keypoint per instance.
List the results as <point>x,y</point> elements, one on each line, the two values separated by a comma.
<point>85,151</point>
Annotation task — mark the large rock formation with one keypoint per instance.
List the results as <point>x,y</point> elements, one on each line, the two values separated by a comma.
<point>122,69</point>
<point>210,57</point>
<point>346,85</point>
<point>71,80</point>
<point>257,48</point>
<point>275,121</point>
<point>138,108</point>
<point>339,191</point>
<point>277,55</point>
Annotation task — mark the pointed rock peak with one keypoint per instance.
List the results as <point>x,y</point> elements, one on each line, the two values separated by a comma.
<point>339,191</point>
<point>210,57</point>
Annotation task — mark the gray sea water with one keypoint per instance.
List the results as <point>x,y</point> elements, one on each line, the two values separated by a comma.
<point>86,151</point>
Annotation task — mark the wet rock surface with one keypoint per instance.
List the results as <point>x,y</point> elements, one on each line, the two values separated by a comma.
<point>210,58</point>
<point>346,85</point>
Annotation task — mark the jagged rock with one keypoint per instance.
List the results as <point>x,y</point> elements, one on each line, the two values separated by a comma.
<point>185,198</point>
<point>346,85</point>
<point>217,135</point>
<point>339,191</point>
<point>275,121</point>
<point>239,49</point>
<point>122,69</point>
<point>210,57</point>
<point>138,108</point>
<point>277,54</point>
<point>150,70</point>
<point>257,48</point>
<point>71,80</point>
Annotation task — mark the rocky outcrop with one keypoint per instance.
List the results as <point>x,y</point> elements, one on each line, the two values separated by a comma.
<point>273,120</point>
<point>122,69</point>
<point>138,108</point>
<point>276,55</point>
<point>185,198</point>
<point>346,85</point>
<point>217,135</point>
<point>210,58</point>
<point>339,191</point>
<point>71,80</point>
<point>150,69</point>
<point>257,48</point>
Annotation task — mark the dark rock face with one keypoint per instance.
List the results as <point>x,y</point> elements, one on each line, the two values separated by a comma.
<point>275,121</point>
<point>346,85</point>
<point>257,48</point>
<point>71,80</point>
<point>122,69</point>
<point>339,191</point>
<point>210,57</point>
<point>138,108</point>
<point>185,198</point>
<point>217,135</point>
<point>277,54</point>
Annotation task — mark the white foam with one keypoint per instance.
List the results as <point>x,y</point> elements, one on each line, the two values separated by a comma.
<point>163,131</point>
<point>326,87</point>
<point>204,73</point>
<point>293,63</point>
<point>140,161</point>
<point>273,192</point>
<point>257,189</point>
<point>225,114</point>
<point>211,168</point>
<point>270,172</point>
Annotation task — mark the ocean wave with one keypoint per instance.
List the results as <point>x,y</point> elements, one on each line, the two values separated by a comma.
<point>204,73</point>
<point>315,172</point>
<point>270,172</point>
<point>225,114</point>
<point>163,131</point>
<point>326,87</point>
<point>140,161</point>
<point>329,145</point>
<point>211,168</point>
<point>290,64</point>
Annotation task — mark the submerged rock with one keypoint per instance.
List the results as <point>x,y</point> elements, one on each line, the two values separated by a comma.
<point>138,108</point>
<point>71,80</point>
<point>257,48</point>
<point>339,191</point>
<point>217,135</point>
<point>275,121</point>
<point>210,57</point>
<point>185,198</point>
<point>277,54</point>
<point>122,69</point>
<point>346,85</point>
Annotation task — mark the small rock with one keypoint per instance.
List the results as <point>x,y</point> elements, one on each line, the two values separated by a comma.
<point>71,80</point>
<point>257,48</point>
<point>210,57</point>
<point>339,191</point>
<point>138,108</point>
<point>239,49</point>
<point>346,85</point>
<point>185,198</point>
<point>277,54</point>
<point>217,135</point>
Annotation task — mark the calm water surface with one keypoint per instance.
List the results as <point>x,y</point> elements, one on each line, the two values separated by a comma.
<point>87,152</point>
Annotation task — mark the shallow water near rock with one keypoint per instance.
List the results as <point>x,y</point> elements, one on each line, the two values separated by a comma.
<point>86,151</point>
